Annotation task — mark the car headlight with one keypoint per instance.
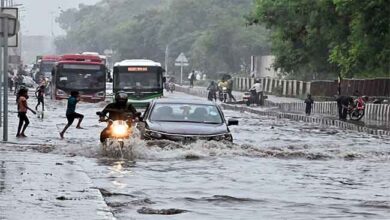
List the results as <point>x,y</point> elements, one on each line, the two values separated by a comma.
<point>153,134</point>
<point>223,137</point>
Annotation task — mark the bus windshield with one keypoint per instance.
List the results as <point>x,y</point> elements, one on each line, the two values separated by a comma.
<point>144,80</point>
<point>81,77</point>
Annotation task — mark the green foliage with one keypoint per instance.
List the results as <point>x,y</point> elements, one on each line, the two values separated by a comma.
<point>327,37</point>
<point>212,33</point>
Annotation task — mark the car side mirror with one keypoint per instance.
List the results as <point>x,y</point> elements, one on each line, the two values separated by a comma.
<point>99,113</point>
<point>232,122</point>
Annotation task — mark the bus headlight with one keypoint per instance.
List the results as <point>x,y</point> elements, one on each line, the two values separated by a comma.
<point>100,94</point>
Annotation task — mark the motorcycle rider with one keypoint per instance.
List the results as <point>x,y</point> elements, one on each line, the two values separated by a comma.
<point>117,111</point>
<point>222,84</point>
<point>343,103</point>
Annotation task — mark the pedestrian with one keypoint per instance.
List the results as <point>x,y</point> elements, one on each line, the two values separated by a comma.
<point>343,103</point>
<point>192,77</point>
<point>10,79</point>
<point>22,112</point>
<point>256,93</point>
<point>213,88</point>
<point>309,104</point>
<point>40,94</point>
<point>230,89</point>
<point>71,113</point>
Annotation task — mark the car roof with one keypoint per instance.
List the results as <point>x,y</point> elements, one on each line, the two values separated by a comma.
<point>183,101</point>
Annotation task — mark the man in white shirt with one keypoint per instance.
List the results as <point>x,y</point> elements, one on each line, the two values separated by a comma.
<point>257,92</point>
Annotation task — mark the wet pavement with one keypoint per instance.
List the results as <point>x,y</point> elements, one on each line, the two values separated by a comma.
<point>276,169</point>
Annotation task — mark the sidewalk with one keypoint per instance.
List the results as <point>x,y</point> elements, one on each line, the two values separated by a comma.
<point>46,186</point>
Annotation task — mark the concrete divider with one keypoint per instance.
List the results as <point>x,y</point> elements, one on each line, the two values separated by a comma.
<point>286,110</point>
<point>310,119</point>
<point>290,88</point>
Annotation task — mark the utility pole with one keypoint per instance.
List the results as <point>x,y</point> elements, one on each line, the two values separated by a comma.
<point>1,69</point>
<point>5,78</point>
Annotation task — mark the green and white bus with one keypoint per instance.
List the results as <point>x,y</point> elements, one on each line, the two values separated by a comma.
<point>142,80</point>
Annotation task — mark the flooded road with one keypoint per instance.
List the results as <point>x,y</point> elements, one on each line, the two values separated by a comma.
<point>276,169</point>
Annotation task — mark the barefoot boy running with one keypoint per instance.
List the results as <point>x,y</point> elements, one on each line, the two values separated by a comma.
<point>71,113</point>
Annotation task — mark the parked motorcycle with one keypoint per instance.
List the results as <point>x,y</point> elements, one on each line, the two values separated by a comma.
<point>356,112</point>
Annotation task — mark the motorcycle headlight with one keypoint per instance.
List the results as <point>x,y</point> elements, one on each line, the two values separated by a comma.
<point>120,129</point>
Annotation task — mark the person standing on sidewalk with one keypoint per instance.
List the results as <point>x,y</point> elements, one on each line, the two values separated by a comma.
<point>230,90</point>
<point>256,93</point>
<point>71,113</point>
<point>343,102</point>
<point>22,112</point>
<point>309,104</point>
<point>192,77</point>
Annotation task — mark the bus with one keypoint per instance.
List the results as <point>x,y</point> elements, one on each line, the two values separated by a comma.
<point>45,66</point>
<point>142,80</point>
<point>83,73</point>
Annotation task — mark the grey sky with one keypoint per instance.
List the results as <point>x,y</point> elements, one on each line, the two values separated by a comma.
<point>38,14</point>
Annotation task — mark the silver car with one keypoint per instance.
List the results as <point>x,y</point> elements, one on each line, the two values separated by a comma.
<point>186,120</point>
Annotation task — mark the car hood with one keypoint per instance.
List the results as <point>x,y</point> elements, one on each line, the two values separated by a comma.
<point>181,128</point>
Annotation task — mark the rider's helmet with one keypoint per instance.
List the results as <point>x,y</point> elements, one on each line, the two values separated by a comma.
<point>121,98</point>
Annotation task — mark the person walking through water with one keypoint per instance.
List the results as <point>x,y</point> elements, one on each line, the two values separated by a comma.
<point>22,112</point>
<point>40,94</point>
<point>309,104</point>
<point>71,113</point>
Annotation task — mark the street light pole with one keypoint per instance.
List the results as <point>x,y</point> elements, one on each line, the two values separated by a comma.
<point>5,78</point>
<point>1,68</point>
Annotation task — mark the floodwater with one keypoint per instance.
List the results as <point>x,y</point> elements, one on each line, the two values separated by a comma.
<point>276,169</point>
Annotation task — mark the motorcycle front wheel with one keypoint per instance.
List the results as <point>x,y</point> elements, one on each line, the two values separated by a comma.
<point>356,115</point>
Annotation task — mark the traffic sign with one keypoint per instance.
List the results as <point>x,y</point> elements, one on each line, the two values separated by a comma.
<point>182,58</point>
<point>12,41</point>
<point>181,64</point>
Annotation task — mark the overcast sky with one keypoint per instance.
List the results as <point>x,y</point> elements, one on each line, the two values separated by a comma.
<point>38,14</point>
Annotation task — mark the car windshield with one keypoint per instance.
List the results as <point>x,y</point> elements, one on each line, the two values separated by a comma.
<point>194,113</point>
<point>145,80</point>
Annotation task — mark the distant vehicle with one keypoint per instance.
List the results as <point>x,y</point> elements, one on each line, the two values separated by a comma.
<point>185,120</point>
<point>84,73</point>
<point>45,66</point>
<point>141,79</point>
<point>109,89</point>
<point>29,82</point>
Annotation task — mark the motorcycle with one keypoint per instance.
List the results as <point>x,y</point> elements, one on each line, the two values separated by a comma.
<point>171,87</point>
<point>118,130</point>
<point>356,112</point>
<point>223,94</point>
